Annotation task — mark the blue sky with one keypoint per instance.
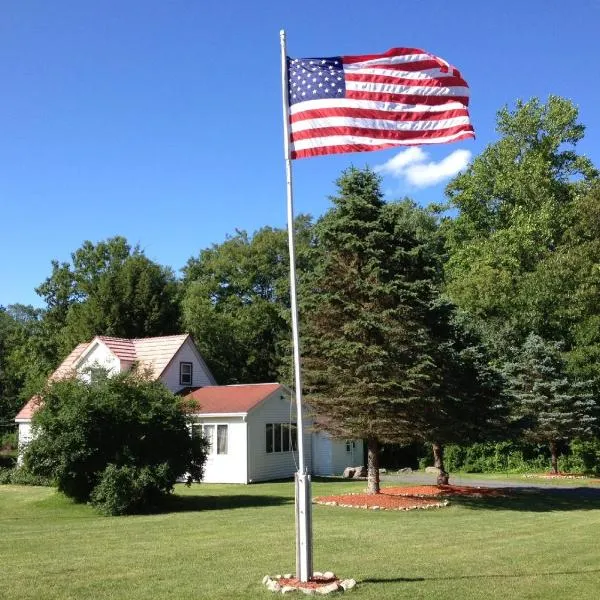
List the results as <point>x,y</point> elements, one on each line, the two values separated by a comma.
<point>161,120</point>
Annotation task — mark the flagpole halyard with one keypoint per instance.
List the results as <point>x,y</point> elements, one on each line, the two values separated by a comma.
<point>303,495</point>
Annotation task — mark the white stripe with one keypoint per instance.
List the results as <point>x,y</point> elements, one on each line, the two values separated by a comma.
<point>371,105</point>
<point>392,60</point>
<point>419,90</point>
<point>424,74</point>
<point>344,140</point>
<point>379,124</point>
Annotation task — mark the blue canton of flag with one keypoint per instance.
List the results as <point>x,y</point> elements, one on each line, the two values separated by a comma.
<point>315,79</point>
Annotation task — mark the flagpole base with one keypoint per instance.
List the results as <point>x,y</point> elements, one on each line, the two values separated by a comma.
<point>304,566</point>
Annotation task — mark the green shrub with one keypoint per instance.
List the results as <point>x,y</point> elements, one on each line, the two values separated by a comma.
<point>9,442</point>
<point>125,490</point>
<point>8,461</point>
<point>21,476</point>
<point>123,435</point>
<point>500,457</point>
<point>582,458</point>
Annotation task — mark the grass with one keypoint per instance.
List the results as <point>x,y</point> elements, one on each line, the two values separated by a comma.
<point>220,540</point>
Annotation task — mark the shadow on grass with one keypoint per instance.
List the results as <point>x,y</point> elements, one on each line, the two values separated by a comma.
<point>480,576</point>
<point>224,502</point>
<point>535,500</point>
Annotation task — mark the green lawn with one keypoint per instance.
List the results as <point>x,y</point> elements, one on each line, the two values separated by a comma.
<point>223,539</point>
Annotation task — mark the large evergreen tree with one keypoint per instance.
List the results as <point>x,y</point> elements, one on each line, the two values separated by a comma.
<point>551,406</point>
<point>364,307</point>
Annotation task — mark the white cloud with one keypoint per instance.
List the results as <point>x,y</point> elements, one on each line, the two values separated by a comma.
<point>412,165</point>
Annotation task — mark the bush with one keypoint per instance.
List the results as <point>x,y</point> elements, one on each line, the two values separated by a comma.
<point>128,490</point>
<point>119,442</point>
<point>21,476</point>
<point>9,442</point>
<point>583,458</point>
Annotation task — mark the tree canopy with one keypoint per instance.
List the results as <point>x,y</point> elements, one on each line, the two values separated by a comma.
<point>236,302</point>
<point>119,442</point>
<point>384,358</point>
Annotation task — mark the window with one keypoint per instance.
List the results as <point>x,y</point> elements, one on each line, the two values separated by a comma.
<point>350,445</point>
<point>215,435</point>
<point>185,373</point>
<point>281,437</point>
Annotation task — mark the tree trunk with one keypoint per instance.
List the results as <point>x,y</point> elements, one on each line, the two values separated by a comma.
<point>372,466</point>
<point>438,461</point>
<point>554,457</point>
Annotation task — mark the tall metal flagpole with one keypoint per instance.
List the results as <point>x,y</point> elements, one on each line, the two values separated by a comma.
<point>302,480</point>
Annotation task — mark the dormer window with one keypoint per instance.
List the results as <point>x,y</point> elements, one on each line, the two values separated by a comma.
<point>185,373</point>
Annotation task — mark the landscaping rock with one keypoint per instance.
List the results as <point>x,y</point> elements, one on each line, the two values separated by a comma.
<point>359,472</point>
<point>432,470</point>
<point>266,579</point>
<point>382,471</point>
<point>405,470</point>
<point>307,591</point>
<point>328,575</point>
<point>348,472</point>
<point>327,589</point>
<point>286,589</point>
<point>347,584</point>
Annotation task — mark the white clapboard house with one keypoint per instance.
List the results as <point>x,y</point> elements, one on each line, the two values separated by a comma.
<point>251,428</point>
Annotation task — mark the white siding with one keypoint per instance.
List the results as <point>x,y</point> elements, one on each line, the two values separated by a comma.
<point>263,466</point>
<point>200,376</point>
<point>321,447</point>
<point>342,458</point>
<point>100,356</point>
<point>25,436</point>
<point>230,467</point>
<point>331,457</point>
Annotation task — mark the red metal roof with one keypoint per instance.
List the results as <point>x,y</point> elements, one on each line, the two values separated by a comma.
<point>122,348</point>
<point>153,354</point>
<point>27,411</point>
<point>230,398</point>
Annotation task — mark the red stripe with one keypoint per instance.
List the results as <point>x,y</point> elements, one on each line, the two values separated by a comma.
<point>377,134</point>
<point>347,60</point>
<point>432,82</point>
<point>388,115</point>
<point>406,98</point>
<point>321,151</point>
<point>418,65</point>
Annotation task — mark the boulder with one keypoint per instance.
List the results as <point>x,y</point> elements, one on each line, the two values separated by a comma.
<point>327,589</point>
<point>348,584</point>
<point>348,472</point>
<point>382,471</point>
<point>359,472</point>
<point>432,470</point>
<point>405,470</point>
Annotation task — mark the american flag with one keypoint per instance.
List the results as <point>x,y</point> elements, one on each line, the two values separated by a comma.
<point>361,103</point>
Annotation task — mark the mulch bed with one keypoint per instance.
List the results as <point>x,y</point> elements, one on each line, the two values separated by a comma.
<point>408,498</point>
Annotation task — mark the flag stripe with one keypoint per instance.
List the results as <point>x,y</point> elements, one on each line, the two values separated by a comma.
<point>447,81</point>
<point>393,108</point>
<point>376,133</point>
<point>406,98</point>
<point>364,113</point>
<point>318,125</point>
<point>408,90</point>
<point>357,144</point>
<point>361,103</point>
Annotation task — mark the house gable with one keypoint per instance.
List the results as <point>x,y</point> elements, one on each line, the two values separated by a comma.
<point>98,354</point>
<point>200,373</point>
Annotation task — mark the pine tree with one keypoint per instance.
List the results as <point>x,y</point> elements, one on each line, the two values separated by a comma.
<point>364,313</point>
<point>550,406</point>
